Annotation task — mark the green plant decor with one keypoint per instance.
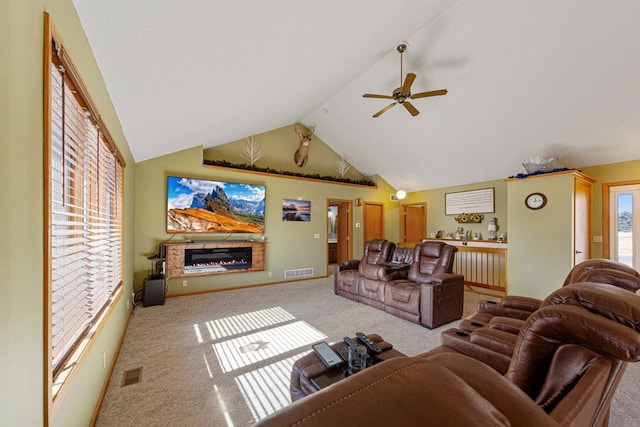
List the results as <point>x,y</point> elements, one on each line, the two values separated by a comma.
<point>244,166</point>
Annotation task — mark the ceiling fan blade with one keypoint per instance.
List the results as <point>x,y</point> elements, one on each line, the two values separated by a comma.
<point>431,93</point>
<point>410,108</point>
<point>372,95</point>
<point>408,81</point>
<point>379,113</point>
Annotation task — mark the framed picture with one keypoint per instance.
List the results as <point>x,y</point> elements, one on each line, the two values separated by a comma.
<point>474,201</point>
<point>296,210</point>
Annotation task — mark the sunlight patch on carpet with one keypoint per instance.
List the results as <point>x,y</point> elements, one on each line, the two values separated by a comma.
<point>243,351</point>
<point>245,322</point>
<point>266,389</point>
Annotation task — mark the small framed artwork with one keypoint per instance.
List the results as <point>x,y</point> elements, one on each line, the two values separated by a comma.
<point>296,210</point>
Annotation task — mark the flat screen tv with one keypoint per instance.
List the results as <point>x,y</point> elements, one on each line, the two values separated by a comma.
<point>206,206</point>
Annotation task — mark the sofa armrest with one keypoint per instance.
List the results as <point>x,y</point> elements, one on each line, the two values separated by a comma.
<point>516,307</point>
<point>495,340</point>
<point>442,278</point>
<point>350,264</point>
<point>521,303</point>
<point>384,272</point>
<point>507,324</point>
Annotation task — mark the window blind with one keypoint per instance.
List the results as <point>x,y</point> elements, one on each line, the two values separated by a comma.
<point>86,215</point>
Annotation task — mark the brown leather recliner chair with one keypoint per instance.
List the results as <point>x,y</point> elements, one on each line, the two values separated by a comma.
<point>597,270</point>
<point>491,338</point>
<point>567,364</point>
<point>490,335</point>
<point>431,294</point>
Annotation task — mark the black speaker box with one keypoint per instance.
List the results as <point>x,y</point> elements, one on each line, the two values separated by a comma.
<point>153,291</point>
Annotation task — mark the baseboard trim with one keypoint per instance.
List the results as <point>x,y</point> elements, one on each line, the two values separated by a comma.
<point>257,285</point>
<point>96,411</point>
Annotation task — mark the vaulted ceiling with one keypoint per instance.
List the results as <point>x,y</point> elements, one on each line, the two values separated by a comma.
<point>551,78</point>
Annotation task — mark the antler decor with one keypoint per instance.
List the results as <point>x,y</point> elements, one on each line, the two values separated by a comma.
<point>305,134</point>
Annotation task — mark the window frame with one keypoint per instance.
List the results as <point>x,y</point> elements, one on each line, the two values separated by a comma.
<point>56,382</point>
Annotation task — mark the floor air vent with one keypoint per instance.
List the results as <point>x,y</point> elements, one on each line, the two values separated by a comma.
<point>300,272</point>
<point>132,376</point>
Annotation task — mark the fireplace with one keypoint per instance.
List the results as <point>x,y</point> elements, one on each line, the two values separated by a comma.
<point>216,257</point>
<point>216,260</point>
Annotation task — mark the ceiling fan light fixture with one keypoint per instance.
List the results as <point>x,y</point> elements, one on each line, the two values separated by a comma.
<point>403,92</point>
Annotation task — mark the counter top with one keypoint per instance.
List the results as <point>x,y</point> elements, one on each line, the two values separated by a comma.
<point>471,243</point>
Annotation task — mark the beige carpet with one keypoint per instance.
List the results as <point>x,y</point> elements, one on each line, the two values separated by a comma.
<point>224,358</point>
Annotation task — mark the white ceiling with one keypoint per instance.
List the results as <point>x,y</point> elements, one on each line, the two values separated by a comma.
<point>551,78</point>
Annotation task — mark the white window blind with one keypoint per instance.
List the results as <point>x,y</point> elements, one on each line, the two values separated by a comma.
<point>86,216</point>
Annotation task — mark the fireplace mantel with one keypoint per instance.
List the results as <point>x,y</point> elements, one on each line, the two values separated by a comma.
<point>175,257</point>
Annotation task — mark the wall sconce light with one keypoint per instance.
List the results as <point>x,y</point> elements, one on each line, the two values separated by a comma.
<point>401,194</point>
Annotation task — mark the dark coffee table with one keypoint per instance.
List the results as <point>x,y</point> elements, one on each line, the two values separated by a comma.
<point>309,374</point>
<point>335,374</point>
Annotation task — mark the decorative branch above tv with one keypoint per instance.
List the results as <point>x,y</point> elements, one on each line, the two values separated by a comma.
<point>207,206</point>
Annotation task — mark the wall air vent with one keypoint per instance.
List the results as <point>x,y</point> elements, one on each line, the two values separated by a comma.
<point>393,197</point>
<point>300,272</point>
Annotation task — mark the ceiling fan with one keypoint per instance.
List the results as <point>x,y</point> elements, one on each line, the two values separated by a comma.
<point>403,93</point>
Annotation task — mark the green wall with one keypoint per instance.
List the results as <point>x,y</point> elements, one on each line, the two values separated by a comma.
<point>278,148</point>
<point>541,245</point>
<point>437,220</point>
<point>291,245</point>
<point>21,268</point>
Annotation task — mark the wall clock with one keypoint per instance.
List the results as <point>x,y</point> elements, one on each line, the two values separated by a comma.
<point>535,201</point>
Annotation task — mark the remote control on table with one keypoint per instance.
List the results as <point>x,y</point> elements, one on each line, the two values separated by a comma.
<point>349,342</point>
<point>370,344</point>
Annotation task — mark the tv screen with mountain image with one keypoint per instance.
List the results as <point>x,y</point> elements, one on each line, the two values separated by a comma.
<point>207,206</point>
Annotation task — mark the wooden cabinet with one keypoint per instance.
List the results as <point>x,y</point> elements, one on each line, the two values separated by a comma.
<point>545,243</point>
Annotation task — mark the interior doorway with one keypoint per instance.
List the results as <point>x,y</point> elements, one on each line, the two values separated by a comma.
<point>339,226</point>
<point>622,222</point>
<point>413,227</point>
<point>373,221</point>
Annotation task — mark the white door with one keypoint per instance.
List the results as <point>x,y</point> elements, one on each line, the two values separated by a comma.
<point>624,205</point>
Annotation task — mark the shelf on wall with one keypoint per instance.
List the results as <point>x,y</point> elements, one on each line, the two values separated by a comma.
<point>292,176</point>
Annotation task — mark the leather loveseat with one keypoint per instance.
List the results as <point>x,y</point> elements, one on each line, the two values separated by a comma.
<point>416,284</point>
<point>567,364</point>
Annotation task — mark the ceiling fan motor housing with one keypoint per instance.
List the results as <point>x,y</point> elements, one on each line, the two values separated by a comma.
<point>399,96</point>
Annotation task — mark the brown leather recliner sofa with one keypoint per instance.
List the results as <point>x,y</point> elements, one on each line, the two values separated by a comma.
<point>414,284</point>
<point>597,270</point>
<point>566,367</point>
<point>490,335</point>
